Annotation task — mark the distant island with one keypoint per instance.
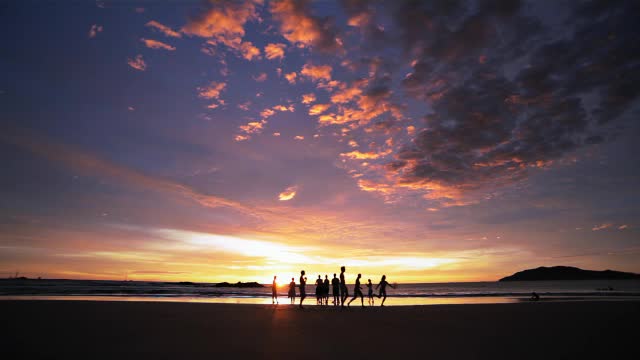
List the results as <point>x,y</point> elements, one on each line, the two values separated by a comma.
<point>240,285</point>
<point>568,273</point>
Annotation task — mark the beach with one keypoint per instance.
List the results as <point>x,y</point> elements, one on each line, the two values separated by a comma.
<point>146,330</point>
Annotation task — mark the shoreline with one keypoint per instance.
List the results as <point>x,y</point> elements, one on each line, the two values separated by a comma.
<point>310,301</point>
<point>146,330</point>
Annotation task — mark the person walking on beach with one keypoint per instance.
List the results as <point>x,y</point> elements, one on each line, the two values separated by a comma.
<point>319,285</point>
<point>335,282</point>
<point>344,292</point>
<point>357,291</point>
<point>274,291</point>
<point>325,289</point>
<point>292,291</point>
<point>383,288</point>
<point>303,282</point>
<point>370,295</point>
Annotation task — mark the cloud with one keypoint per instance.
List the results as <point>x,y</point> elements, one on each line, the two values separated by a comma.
<point>260,78</point>
<point>154,44</point>
<point>249,51</point>
<point>137,63</point>
<point>90,164</point>
<point>167,31</point>
<point>274,51</point>
<point>365,155</point>
<point>298,137</point>
<point>291,77</point>
<point>283,108</point>
<point>487,128</point>
<point>245,106</point>
<point>276,134</point>
<point>318,109</point>
<point>267,113</point>
<point>288,194</point>
<point>253,127</point>
<point>223,23</point>
<point>622,227</point>
<point>95,29</point>
<point>308,98</point>
<point>601,227</point>
<point>241,138</point>
<point>315,73</point>
<point>212,91</point>
<point>304,30</point>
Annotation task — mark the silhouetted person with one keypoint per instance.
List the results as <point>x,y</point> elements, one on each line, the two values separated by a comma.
<point>336,290</point>
<point>325,289</point>
<point>274,291</point>
<point>535,296</point>
<point>303,282</point>
<point>383,288</point>
<point>319,285</point>
<point>292,291</point>
<point>370,295</point>
<point>344,293</point>
<point>357,291</point>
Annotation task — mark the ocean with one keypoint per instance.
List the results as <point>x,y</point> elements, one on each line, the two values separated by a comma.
<point>404,294</point>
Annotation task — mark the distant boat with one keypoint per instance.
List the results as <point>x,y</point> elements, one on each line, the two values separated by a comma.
<point>568,273</point>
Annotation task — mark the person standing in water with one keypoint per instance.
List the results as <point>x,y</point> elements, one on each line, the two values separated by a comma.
<point>344,292</point>
<point>292,291</point>
<point>383,288</point>
<point>357,291</point>
<point>370,295</point>
<point>325,289</point>
<point>303,282</point>
<point>336,290</point>
<point>274,291</point>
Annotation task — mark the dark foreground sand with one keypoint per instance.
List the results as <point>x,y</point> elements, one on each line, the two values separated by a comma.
<point>148,330</point>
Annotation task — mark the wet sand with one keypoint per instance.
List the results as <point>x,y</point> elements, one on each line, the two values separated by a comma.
<point>155,330</point>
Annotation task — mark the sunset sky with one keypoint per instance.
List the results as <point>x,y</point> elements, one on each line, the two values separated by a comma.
<point>224,141</point>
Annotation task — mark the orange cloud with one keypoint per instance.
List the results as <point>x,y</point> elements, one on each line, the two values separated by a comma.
<point>308,98</point>
<point>254,127</point>
<point>276,134</point>
<point>299,27</point>
<point>224,23</point>
<point>319,72</point>
<point>318,109</point>
<point>291,77</point>
<point>299,137</point>
<point>346,95</point>
<point>212,91</point>
<point>260,78</point>
<point>601,227</point>
<point>249,51</point>
<point>95,29</point>
<point>365,155</point>
<point>137,63</point>
<point>267,113</point>
<point>244,106</point>
<point>274,51</point>
<point>167,31</point>
<point>288,194</point>
<point>241,137</point>
<point>289,108</point>
<point>154,44</point>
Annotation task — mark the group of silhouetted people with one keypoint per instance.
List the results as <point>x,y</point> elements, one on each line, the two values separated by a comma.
<point>339,287</point>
